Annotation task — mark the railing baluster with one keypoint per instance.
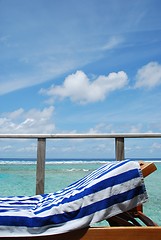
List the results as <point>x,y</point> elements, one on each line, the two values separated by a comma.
<point>119,148</point>
<point>40,171</point>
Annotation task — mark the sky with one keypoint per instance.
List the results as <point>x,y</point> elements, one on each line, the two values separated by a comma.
<point>89,66</point>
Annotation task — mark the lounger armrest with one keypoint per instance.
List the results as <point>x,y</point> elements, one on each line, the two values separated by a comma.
<point>147,168</point>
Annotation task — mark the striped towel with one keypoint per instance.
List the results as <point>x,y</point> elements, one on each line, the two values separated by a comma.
<point>111,189</point>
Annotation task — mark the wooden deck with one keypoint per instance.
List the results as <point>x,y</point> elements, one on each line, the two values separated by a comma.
<point>103,233</point>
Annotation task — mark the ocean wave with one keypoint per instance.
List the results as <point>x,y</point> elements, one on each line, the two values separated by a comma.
<point>21,162</point>
<point>76,170</point>
<point>66,162</point>
<point>17,162</point>
<point>76,162</point>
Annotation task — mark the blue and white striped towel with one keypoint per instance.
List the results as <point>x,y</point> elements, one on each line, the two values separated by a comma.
<point>107,191</point>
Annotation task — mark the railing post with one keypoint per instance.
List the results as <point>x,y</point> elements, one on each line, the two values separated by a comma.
<point>40,171</point>
<point>119,148</point>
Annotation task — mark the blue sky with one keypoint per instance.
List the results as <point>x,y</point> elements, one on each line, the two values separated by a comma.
<point>90,66</point>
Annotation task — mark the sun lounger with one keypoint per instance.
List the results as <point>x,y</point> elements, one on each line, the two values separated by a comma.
<point>131,217</point>
<point>109,192</point>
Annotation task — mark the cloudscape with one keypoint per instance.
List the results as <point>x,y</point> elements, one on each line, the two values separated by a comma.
<point>80,67</point>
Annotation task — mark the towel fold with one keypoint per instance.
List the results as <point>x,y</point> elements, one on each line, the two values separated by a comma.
<point>111,189</point>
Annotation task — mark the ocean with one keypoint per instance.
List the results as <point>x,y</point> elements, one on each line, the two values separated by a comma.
<point>18,178</point>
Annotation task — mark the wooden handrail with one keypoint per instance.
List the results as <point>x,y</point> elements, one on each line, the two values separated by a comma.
<point>84,135</point>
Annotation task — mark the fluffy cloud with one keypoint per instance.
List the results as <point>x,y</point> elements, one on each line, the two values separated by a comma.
<point>33,121</point>
<point>149,75</point>
<point>79,88</point>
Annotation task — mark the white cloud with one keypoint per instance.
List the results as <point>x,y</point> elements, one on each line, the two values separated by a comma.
<point>31,148</point>
<point>149,75</point>
<point>79,88</point>
<point>6,148</point>
<point>136,128</point>
<point>15,114</point>
<point>101,128</point>
<point>113,42</point>
<point>156,146</point>
<point>33,121</point>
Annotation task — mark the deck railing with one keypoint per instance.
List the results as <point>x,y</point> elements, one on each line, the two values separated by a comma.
<point>41,147</point>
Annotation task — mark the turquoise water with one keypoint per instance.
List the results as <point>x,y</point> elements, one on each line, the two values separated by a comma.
<point>153,185</point>
<point>19,178</point>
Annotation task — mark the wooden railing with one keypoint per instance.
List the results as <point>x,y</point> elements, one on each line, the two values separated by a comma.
<point>41,147</point>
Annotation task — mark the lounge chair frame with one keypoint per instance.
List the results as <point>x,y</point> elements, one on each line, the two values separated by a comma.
<point>127,228</point>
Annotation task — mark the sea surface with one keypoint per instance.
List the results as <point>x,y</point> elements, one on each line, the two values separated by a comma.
<point>18,178</point>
